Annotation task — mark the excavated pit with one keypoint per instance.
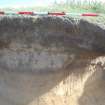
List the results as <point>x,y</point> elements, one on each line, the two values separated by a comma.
<point>51,61</point>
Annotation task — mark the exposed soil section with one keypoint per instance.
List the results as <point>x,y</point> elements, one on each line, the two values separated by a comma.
<point>51,61</point>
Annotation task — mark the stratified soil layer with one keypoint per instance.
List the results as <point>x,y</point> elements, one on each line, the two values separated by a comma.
<point>51,61</point>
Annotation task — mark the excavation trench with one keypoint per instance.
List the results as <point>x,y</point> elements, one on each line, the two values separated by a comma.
<point>51,61</point>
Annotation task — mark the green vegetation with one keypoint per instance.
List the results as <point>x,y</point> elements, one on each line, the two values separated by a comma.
<point>69,6</point>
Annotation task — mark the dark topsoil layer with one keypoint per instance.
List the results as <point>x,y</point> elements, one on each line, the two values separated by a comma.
<point>52,31</point>
<point>31,43</point>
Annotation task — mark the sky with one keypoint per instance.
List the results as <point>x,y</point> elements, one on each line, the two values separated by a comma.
<point>25,3</point>
<point>16,3</point>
